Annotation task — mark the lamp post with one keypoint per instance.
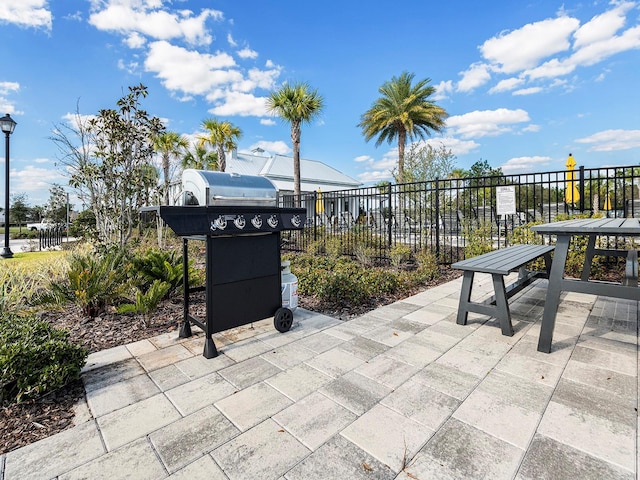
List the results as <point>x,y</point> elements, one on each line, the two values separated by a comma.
<point>7,124</point>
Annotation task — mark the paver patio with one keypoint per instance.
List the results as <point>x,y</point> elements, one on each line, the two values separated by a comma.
<point>399,393</point>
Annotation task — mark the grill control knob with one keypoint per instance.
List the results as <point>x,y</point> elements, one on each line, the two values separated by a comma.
<point>240,222</point>
<point>256,222</point>
<point>219,223</point>
<point>272,221</point>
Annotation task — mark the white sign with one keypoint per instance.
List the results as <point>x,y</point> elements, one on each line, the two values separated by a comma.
<point>506,200</point>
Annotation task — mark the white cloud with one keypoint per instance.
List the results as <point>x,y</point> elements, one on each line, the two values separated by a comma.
<point>528,91</point>
<point>6,105</point>
<point>525,164</point>
<point>612,140</point>
<point>147,18</point>
<point>507,85</point>
<point>269,122</point>
<point>443,90</point>
<point>377,170</point>
<point>36,182</point>
<point>231,41</point>
<point>524,48</point>
<point>247,53</point>
<point>602,27</point>
<point>279,147</point>
<point>456,145</point>
<point>8,87</point>
<point>135,40</point>
<point>482,123</point>
<point>552,48</point>
<point>190,71</point>
<point>238,103</point>
<point>26,13</point>
<point>375,176</point>
<point>477,75</point>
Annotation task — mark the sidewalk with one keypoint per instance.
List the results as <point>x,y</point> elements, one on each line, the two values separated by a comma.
<point>402,392</point>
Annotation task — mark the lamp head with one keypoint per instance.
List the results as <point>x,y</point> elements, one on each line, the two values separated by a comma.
<point>7,124</point>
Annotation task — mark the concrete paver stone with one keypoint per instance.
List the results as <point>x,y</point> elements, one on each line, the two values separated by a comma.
<point>402,392</point>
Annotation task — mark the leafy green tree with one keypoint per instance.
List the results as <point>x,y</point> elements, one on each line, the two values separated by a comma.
<point>200,158</point>
<point>169,145</point>
<point>19,210</point>
<point>404,111</point>
<point>56,209</point>
<point>105,155</point>
<point>221,135</point>
<point>424,163</point>
<point>482,169</point>
<point>296,104</point>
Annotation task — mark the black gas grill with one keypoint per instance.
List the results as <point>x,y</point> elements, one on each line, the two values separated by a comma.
<point>238,219</point>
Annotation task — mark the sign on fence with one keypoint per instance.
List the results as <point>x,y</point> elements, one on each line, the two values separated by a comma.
<point>506,200</point>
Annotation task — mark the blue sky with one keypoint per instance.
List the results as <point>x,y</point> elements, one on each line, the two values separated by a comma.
<point>525,83</point>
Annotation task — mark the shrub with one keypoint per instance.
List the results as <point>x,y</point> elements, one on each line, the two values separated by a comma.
<point>94,280</point>
<point>399,255</point>
<point>478,240</point>
<point>428,268</point>
<point>147,302</point>
<point>35,358</point>
<point>162,265</point>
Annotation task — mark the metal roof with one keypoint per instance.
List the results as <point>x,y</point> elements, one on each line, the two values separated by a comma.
<point>279,169</point>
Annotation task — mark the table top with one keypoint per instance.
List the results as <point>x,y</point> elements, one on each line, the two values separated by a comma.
<point>591,226</point>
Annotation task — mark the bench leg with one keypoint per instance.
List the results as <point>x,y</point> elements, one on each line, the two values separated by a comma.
<point>631,270</point>
<point>502,307</point>
<point>465,297</point>
<point>588,258</point>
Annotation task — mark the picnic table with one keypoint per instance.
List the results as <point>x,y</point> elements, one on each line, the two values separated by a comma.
<point>592,228</point>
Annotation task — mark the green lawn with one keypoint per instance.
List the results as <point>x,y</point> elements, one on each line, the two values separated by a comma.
<point>28,258</point>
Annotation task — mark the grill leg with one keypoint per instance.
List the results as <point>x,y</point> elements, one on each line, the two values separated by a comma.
<point>210,350</point>
<point>185,325</point>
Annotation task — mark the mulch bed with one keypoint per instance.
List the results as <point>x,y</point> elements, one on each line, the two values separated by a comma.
<point>32,420</point>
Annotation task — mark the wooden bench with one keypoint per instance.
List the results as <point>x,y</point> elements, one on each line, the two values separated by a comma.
<point>500,263</point>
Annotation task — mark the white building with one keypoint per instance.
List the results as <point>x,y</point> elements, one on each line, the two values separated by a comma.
<point>314,175</point>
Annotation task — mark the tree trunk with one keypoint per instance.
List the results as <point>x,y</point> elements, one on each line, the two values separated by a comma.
<point>222,160</point>
<point>402,140</point>
<point>295,140</point>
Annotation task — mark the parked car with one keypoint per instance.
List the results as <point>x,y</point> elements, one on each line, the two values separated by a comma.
<point>43,225</point>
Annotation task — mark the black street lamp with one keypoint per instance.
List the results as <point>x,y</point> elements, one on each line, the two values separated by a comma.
<point>7,124</point>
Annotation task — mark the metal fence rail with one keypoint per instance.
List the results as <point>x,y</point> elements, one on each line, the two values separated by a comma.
<point>444,215</point>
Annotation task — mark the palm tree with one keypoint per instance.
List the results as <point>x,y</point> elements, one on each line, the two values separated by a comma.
<point>200,158</point>
<point>295,104</point>
<point>221,135</point>
<point>169,144</point>
<point>403,111</point>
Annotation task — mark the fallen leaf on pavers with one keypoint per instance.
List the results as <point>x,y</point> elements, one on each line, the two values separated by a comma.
<point>542,377</point>
<point>281,431</point>
<point>395,334</point>
<point>366,467</point>
<point>411,475</point>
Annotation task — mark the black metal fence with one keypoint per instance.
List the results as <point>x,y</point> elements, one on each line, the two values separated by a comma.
<point>445,215</point>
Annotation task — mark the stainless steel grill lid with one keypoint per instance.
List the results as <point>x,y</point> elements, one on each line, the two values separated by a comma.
<point>204,187</point>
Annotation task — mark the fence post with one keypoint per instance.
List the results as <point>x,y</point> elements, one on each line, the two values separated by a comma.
<point>390,222</point>
<point>437,218</point>
<point>581,183</point>
<point>315,216</point>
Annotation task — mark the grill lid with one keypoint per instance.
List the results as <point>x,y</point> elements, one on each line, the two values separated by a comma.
<point>204,187</point>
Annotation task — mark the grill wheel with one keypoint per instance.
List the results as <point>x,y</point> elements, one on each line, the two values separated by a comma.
<point>283,319</point>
